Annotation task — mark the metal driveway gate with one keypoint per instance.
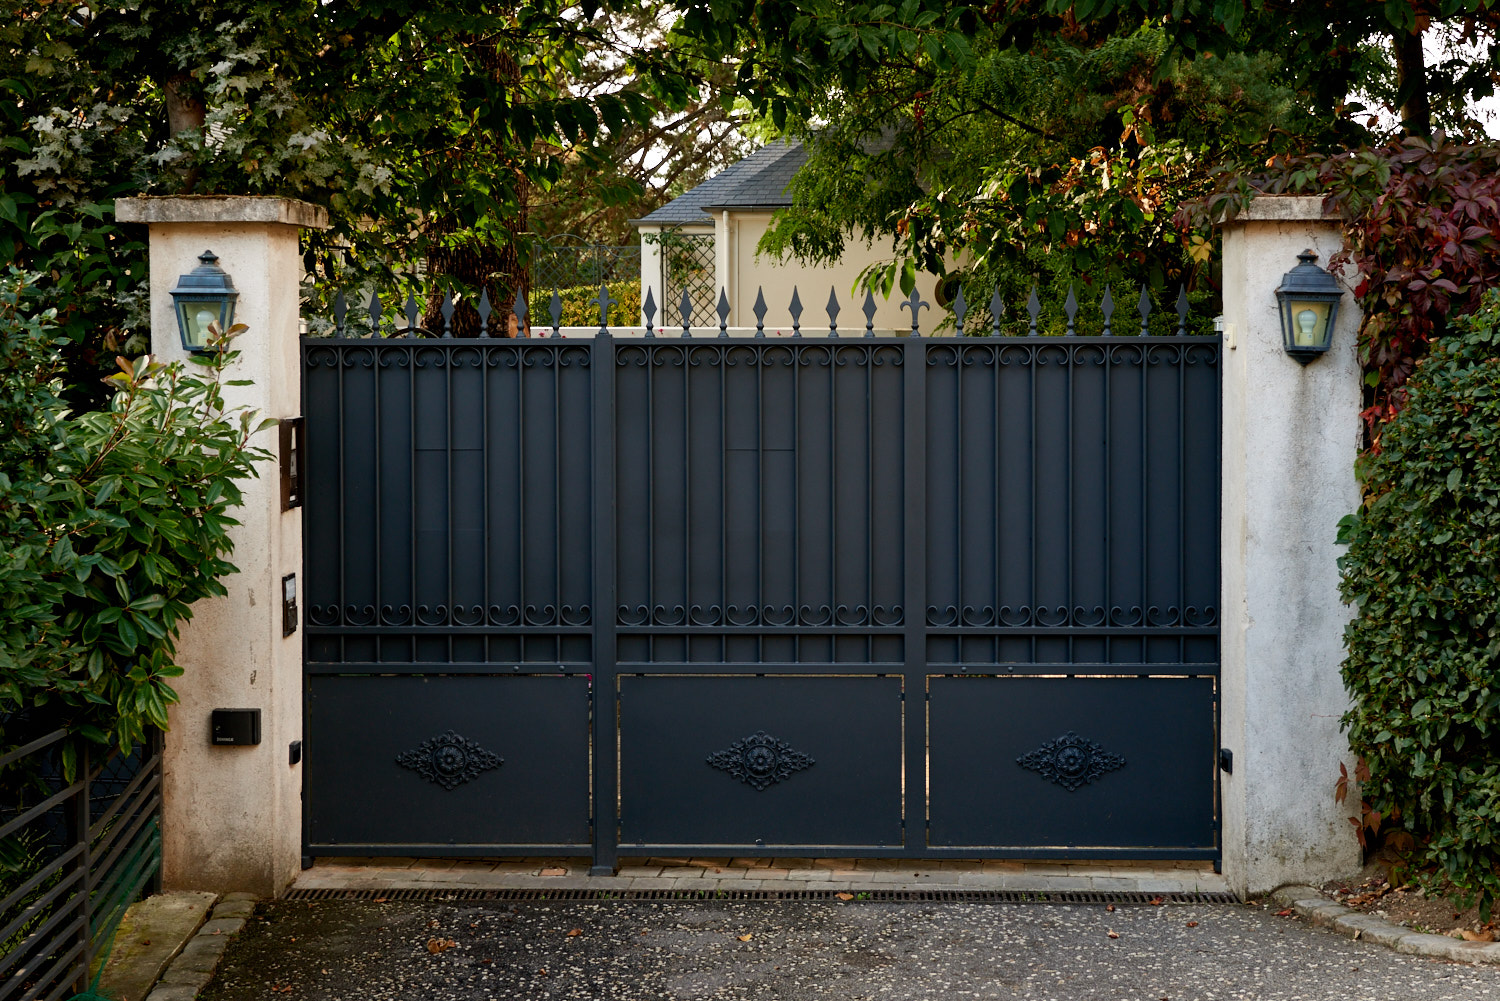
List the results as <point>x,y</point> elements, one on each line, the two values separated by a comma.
<point>825,596</point>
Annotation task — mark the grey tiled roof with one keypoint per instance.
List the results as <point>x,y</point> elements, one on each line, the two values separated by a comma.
<point>760,180</point>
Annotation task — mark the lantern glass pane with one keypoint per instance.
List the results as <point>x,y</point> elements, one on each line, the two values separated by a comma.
<point>1307,323</point>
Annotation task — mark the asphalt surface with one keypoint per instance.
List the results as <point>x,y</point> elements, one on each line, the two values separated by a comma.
<point>629,950</point>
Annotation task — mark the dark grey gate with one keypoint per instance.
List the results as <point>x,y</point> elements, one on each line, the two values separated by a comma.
<point>914,597</point>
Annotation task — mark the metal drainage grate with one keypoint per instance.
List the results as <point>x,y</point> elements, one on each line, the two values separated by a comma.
<point>873,896</point>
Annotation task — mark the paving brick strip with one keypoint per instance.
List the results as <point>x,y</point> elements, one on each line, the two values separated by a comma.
<point>709,875</point>
<point>194,966</point>
<point>1306,902</point>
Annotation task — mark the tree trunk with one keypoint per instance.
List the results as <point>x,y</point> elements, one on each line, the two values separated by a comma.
<point>185,113</point>
<point>1411,84</point>
<point>486,268</point>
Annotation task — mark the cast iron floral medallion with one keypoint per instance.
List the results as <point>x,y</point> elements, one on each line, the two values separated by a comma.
<point>760,760</point>
<point>1071,761</point>
<point>449,760</point>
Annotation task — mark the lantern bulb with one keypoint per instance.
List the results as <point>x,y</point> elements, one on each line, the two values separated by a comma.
<point>1306,321</point>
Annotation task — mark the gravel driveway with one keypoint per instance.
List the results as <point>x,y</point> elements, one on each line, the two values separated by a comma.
<point>646,950</point>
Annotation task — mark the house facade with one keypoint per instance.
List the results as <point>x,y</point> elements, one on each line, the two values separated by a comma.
<point>705,240</point>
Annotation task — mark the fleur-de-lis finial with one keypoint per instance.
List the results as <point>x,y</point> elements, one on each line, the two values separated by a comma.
<point>916,305</point>
<point>605,302</point>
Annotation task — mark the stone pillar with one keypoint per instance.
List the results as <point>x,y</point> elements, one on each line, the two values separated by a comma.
<point>233,815</point>
<point>1290,437</point>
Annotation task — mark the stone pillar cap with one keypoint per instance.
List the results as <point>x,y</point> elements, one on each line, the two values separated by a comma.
<point>1283,208</point>
<point>221,209</point>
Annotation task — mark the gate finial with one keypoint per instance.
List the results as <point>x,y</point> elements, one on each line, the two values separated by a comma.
<point>916,305</point>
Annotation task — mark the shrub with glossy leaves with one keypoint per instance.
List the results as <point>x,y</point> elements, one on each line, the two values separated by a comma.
<point>1423,570</point>
<point>112,523</point>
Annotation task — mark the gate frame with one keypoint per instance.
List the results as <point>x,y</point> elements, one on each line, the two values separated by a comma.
<point>1290,435</point>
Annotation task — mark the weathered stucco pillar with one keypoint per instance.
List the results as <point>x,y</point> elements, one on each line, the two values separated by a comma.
<point>233,815</point>
<point>1290,437</point>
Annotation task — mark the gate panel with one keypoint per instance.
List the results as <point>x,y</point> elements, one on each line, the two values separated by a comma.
<point>760,763</point>
<point>1073,764</point>
<point>414,761</point>
<point>791,537</point>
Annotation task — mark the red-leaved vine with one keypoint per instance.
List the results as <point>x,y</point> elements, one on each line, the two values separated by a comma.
<point>1422,228</point>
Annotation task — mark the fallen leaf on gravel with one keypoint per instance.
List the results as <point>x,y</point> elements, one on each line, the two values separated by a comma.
<point>1478,936</point>
<point>1114,934</point>
<point>437,945</point>
<point>542,972</point>
<point>1157,901</point>
<point>281,989</point>
<point>1110,908</point>
<point>1192,924</point>
<point>380,900</point>
<point>1284,914</point>
<point>746,937</point>
<point>844,896</point>
<point>574,932</point>
<point>554,872</point>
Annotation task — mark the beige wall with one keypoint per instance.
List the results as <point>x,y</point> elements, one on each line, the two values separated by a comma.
<point>233,815</point>
<point>746,273</point>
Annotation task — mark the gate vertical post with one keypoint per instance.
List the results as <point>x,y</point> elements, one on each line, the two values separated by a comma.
<point>232,816</point>
<point>1290,437</point>
<point>606,800</point>
<point>914,597</point>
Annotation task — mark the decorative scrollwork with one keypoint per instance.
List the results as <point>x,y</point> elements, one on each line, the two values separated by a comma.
<point>760,760</point>
<point>449,760</point>
<point>1071,761</point>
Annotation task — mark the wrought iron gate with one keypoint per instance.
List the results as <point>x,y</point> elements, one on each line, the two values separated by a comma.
<point>914,597</point>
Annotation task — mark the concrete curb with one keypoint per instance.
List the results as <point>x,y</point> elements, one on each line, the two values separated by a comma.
<point>194,966</point>
<point>1309,904</point>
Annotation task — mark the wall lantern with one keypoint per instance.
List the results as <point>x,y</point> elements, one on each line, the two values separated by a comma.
<point>1309,301</point>
<point>203,296</point>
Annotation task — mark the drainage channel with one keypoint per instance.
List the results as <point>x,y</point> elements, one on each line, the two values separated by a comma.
<point>871,896</point>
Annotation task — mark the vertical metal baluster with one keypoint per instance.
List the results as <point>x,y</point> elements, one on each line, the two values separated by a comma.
<point>1144,307</point>
<point>554,307</point>
<point>795,308</point>
<point>1182,310</point>
<point>1107,307</point>
<point>648,308</point>
<point>1070,308</point>
<point>869,311</point>
<point>1034,310</point>
<point>759,309</point>
<point>723,313</point>
<point>833,312</point>
<point>960,310</point>
<point>448,310</point>
<point>448,497</point>
<point>484,310</point>
<point>997,312</point>
<point>412,312</point>
<point>685,313</point>
<point>519,310</point>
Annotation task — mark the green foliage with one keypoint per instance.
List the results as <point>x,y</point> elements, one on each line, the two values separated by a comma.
<point>580,306</point>
<point>1059,165</point>
<point>112,523</point>
<point>1424,648</point>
